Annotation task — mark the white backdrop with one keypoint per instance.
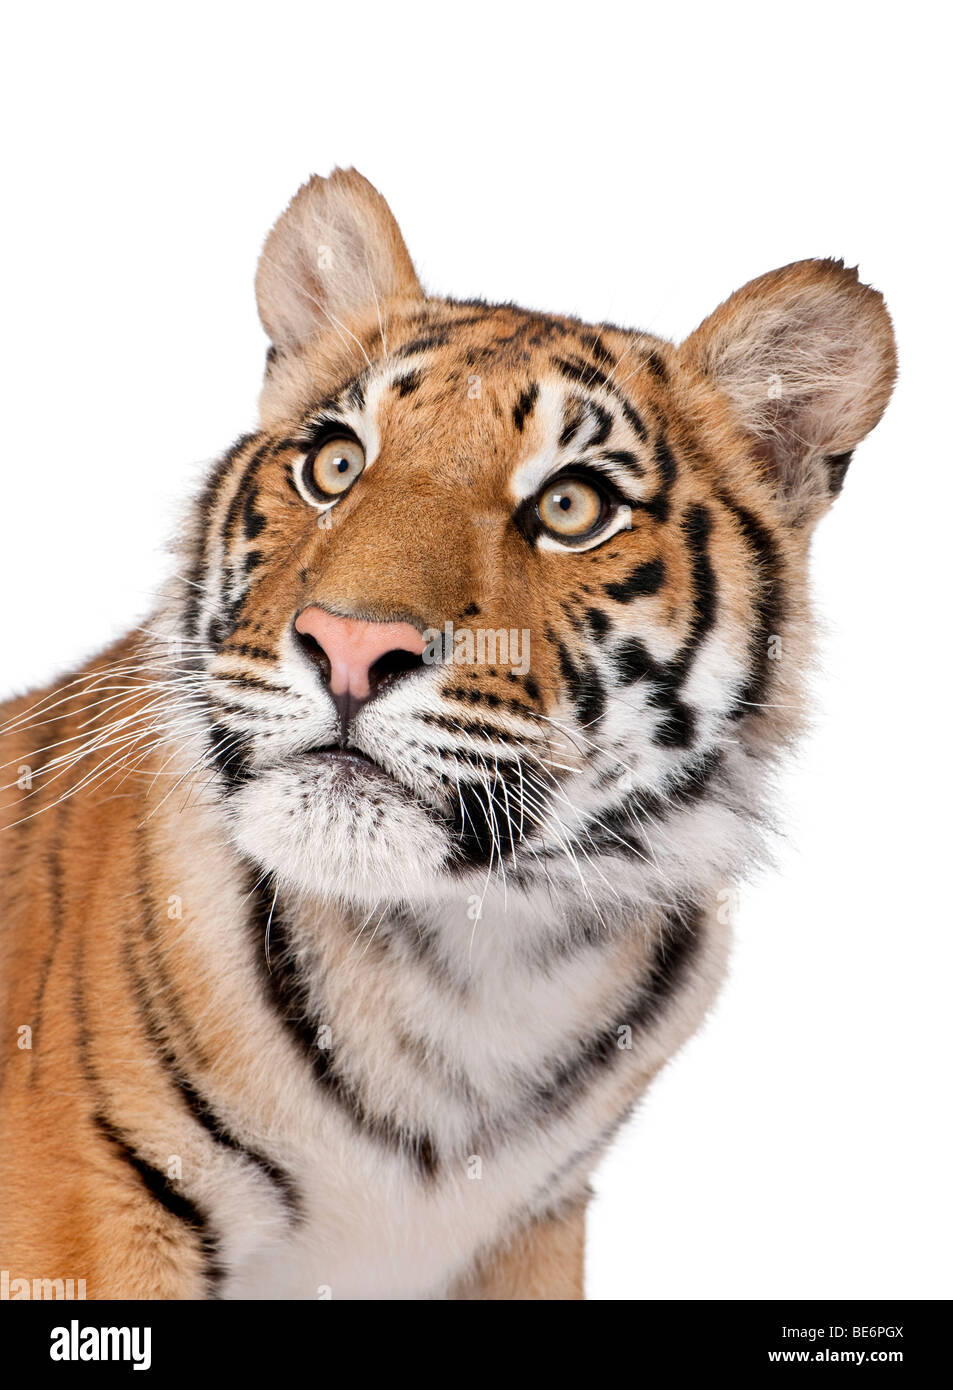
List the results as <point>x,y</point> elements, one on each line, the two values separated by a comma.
<point>614,162</point>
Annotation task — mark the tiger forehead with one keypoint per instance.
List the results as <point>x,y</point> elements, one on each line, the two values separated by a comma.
<point>509,383</point>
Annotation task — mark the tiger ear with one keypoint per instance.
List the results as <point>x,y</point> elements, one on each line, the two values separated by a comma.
<point>334,253</point>
<point>806,356</point>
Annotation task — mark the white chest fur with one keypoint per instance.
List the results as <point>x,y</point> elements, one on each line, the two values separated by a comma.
<point>459,1097</point>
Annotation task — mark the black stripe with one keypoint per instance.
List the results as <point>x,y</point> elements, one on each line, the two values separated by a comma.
<point>253,521</point>
<point>194,1101</point>
<point>456,726</point>
<point>642,582</point>
<point>244,484</point>
<point>625,459</point>
<point>288,982</point>
<point>488,822</point>
<point>244,712</point>
<point>231,753</point>
<point>439,337</point>
<point>524,406</point>
<point>659,505</point>
<point>665,679</point>
<point>157,1185</point>
<point>584,684</point>
<point>837,465</point>
<point>583,373</point>
<point>407,384</point>
<point>768,606</point>
<point>250,682</point>
<point>574,413</point>
<point>621,827</point>
<point>596,344</point>
<point>483,821</point>
<point>633,417</point>
<point>248,649</point>
<point>594,1055</point>
<point>204,510</point>
<point>696,526</point>
<point>634,663</point>
<point>604,423</point>
<point>161,1190</point>
<point>599,624</point>
<point>473,695</point>
<point>656,366</point>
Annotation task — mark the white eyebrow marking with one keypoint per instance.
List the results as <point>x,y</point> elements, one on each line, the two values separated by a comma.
<point>549,416</point>
<point>529,477</point>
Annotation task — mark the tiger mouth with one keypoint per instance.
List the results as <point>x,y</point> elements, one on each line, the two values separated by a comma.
<point>349,764</point>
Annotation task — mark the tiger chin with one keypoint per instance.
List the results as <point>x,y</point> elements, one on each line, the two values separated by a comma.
<point>339,937</point>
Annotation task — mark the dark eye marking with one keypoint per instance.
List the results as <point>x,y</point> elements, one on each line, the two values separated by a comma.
<point>524,406</point>
<point>644,580</point>
<point>528,519</point>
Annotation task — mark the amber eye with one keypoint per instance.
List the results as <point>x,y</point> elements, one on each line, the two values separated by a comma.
<point>335,466</point>
<point>570,507</point>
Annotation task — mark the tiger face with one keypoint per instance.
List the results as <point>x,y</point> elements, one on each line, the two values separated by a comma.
<point>499,604</point>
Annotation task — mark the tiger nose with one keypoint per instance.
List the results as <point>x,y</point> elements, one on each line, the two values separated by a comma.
<point>359,657</point>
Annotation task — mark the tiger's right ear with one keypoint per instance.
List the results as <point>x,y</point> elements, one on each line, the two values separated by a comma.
<point>335,252</point>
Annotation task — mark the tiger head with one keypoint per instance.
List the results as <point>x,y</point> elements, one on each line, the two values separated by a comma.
<point>500,603</point>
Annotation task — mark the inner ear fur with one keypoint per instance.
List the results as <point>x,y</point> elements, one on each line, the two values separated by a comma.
<point>335,253</point>
<point>806,356</point>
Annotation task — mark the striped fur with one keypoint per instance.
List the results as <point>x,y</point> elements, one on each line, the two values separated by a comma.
<point>276,1025</point>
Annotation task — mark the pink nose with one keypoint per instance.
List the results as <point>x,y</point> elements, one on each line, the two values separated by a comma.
<point>353,647</point>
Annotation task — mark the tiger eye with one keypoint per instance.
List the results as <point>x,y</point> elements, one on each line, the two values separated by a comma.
<point>570,507</point>
<point>336,465</point>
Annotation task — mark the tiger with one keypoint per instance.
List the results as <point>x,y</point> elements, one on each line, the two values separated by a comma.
<point>352,902</point>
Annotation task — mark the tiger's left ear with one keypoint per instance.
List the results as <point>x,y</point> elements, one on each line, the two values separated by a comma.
<point>806,356</point>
